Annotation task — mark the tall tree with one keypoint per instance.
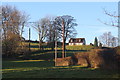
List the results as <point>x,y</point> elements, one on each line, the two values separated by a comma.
<point>10,19</point>
<point>66,27</point>
<point>114,21</point>
<point>96,42</point>
<point>52,33</point>
<point>41,26</point>
<point>11,24</point>
<point>69,23</point>
<point>24,18</point>
<point>13,19</point>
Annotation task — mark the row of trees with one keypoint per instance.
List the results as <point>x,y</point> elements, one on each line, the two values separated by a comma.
<point>106,40</point>
<point>48,28</point>
<point>115,22</point>
<point>51,29</point>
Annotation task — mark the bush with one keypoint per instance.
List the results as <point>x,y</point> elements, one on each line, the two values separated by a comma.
<point>82,58</point>
<point>12,45</point>
<point>98,58</point>
<point>67,61</point>
<point>117,49</point>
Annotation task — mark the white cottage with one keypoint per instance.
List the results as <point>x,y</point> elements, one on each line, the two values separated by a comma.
<point>77,41</point>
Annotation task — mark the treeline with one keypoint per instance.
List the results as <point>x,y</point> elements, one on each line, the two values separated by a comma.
<point>48,28</point>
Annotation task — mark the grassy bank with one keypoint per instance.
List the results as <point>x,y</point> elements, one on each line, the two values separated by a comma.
<point>46,69</point>
<point>40,64</point>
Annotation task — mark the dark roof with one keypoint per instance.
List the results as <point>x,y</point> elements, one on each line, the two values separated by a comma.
<point>76,40</point>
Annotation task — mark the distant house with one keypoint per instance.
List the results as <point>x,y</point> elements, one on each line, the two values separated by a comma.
<point>77,41</point>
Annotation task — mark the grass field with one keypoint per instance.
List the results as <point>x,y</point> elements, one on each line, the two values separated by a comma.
<point>46,69</point>
<point>41,65</point>
<point>35,46</point>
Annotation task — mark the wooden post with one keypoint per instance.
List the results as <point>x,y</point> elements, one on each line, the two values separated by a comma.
<point>63,36</point>
<point>55,45</point>
<point>55,51</point>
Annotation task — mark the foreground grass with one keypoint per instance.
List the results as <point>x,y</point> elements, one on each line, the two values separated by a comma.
<point>46,69</point>
<point>41,65</point>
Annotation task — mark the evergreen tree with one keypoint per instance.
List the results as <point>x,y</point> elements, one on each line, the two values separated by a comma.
<point>96,42</point>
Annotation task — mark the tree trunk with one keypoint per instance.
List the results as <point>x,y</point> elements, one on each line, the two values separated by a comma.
<point>29,40</point>
<point>22,46</point>
<point>63,45</point>
<point>39,43</point>
<point>53,45</point>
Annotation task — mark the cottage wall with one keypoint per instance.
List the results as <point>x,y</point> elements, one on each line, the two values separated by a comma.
<point>77,41</point>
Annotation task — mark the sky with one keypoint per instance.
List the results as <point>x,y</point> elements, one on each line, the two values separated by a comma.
<point>85,13</point>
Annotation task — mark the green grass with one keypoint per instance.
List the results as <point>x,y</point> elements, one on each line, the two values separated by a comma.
<point>79,47</point>
<point>46,69</point>
<point>41,65</point>
<point>35,46</point>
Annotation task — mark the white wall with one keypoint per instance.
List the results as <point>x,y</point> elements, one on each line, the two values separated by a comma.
<point>75,43</point>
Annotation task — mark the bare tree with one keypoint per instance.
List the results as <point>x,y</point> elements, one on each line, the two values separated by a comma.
<point>52,33</point>
<point>23,23</point>
<point>51,30</point>
<point>66,27</point>
<point>24,18</point>
<point>9,25</point>
<point>10,19</point>
<point>41,27</point>
<point>108,40</point>
<point>115,21</point>
<point>114,42</point>
<point>13,19</point>
<point>69,24</point>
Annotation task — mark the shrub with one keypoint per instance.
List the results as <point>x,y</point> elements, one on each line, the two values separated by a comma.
<point>67,61</point>
<point>82,59</point>
<point>117,49</point>
<point>12,45</point>
<point>98,58</point>
<point>95,58</point>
